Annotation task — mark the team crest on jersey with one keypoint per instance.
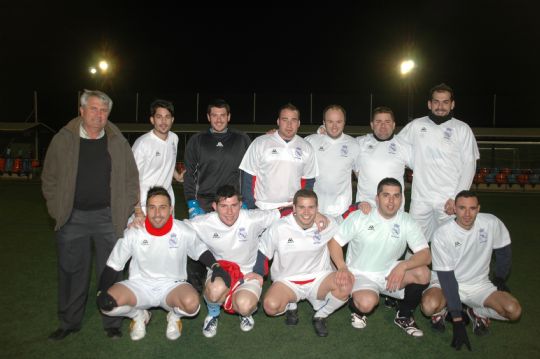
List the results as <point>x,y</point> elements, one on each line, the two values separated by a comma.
<point>242,234</point>
<point>317,238</point>
<point>448,133</point>
<point>344,151</point>
<point>173,241</point>
<point>145,242</point>
<point>423,130</point>
<point>482,235</point>
<point>395,230</point>
<point>215,236</point>
<point>321,148</point>
<point>457,244</point>
<point>158,154</point>
<point>297,153</point>
<point>392,149</point>
<point>370,147</point>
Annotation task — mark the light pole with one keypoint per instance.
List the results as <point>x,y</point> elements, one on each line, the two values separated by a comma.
<point>406,68</point>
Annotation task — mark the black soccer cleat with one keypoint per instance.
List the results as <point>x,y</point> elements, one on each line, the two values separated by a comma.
<point>291,317</point>
<point>319,324</point>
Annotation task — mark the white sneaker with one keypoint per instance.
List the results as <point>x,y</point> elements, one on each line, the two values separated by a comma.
<point>358,321</point>
<point>246,323</point>
<point>174,326</point>
<point>210,326</point>
<point>137,327</point>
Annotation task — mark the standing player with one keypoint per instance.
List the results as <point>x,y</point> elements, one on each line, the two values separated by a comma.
<point>301,267</point>
<point>157,271</point>
<point>336,153</point>
<point>444,158</point>
<point>376,242</point>
<point>462,252</point>
<point>155,152</point>
<point>232,235</point>
<point>276,164</point>
<point>381,155</point>
<point>212,158</point>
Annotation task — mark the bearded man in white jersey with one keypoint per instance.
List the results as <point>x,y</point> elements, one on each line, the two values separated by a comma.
<point>376,242</point>
<point>155,155</point>
<point>462,251</point>
<point>301,267</point>
<point>157,271</point>
<point>444,154</point>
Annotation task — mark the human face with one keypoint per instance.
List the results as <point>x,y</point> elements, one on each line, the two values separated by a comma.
<point>467,209</point>
<point>383,125</point>
<point>162,121</point>
<point>288,124</point>
<point>334,122</point>
<point>219,118</point>
<point>440,103</point>
<point>228,210</point>
<point>389,201</point>
<point>158,210</point>
<point>304,211</point>
<point>95,115</point>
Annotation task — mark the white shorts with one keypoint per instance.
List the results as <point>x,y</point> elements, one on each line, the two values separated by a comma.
<point>429,216</point>
<point>309,290</point>
<point>251,285</point>
<point>474,295</point>
<point>152,293</point>
<point>376,282</point>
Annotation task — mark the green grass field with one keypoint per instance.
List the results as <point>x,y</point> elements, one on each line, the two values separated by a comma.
<point>28,304</point>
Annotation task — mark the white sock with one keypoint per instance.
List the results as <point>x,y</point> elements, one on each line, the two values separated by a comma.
<point>292,306</point>
<point>180,313</point>
<point>123,311</point>
<point>331,305</point>
<point>488,313</point>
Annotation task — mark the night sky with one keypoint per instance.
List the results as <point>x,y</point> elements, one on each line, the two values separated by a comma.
<point>339,54</point>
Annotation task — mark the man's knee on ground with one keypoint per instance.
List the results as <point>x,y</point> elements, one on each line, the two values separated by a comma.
<point>244,303</point>
<point>365,302</point>
<point>272,306</point>
<point>216,291</point>
<point>432,301</point>
<point>512,310</point>
<point>421,275</point>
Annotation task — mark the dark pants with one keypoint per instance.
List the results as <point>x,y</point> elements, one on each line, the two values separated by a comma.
<point>74,248</point>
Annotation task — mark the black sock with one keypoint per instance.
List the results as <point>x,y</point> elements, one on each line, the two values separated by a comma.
<point>413,295</point>
<point>353,308</point>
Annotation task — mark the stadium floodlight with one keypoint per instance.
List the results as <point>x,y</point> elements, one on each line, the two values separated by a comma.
<point>103,65</point>
<point>92,70</point>
<point>407,66</point>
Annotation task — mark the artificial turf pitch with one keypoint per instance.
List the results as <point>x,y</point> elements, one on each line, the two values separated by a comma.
<point>28,303</point>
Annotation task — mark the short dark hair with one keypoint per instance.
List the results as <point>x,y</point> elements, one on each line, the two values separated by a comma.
<point>467,194</point>
<point>383,109</point>
<point>305,193</point>
<point>168,105</point>
<point>388,181</point>
<point>218,103</point>
<point>289,106</point>
<point>157,191</point>
<point>336,108</point>
<point>441,88</point>
<point>226,191</point>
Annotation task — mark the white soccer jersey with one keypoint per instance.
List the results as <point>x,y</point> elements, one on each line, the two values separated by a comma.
<point>239,242</point>
<point>378,160</point>
<point>336,160</point>
<point>375,243</point>
<point>279,167</point>
<point>298,254</point>
<point>468,252</point>
<point>156,257</point>
<point>156,160</point>
<point>439,152</point>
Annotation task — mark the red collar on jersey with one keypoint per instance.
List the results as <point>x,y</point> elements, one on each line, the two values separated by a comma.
<point>158,231</point>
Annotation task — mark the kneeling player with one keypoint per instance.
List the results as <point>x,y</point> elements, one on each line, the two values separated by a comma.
<point>232,235</point>
<point>157,272</point>
<point>376,242</point>
<point>301,268</point>
<point>462,252</point>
